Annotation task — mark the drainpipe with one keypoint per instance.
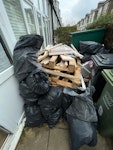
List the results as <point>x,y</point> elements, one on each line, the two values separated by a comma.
<point>51,3</point>
<point>53,8</point>
<point>52,25</point>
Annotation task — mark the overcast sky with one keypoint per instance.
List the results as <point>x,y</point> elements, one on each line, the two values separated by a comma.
<point>73,10</point>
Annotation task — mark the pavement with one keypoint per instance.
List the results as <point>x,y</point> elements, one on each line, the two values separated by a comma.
<point>57,138</point>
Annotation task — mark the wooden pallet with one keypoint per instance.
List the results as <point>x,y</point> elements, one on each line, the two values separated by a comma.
<point>62,69</point>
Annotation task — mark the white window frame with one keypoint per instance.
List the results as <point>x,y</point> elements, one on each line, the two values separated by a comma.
<point>23,11</point>
<point>6,29</point>
<point>9,39</point>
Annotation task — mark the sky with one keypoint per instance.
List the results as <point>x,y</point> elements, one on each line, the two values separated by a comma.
<point>73,11</point>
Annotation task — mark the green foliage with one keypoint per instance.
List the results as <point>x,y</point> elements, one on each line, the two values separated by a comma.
<point>62,34</point>
<point>102,21</point>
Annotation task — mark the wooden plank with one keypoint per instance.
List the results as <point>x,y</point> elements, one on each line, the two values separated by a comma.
<point>83,83</point>
<point>76,52</point>
<point>41,57</point>
<point>68,76</point>
<point>78,61</point>
<point>64,83</point>
<point>65,79</point>
<point>66,63</point>
<point>76,82</point>
<point>65,58</point>
<point>45,61</point>
<point>52,47</point>
<point>52,61</point>
<point>78,72</point>
<point>60,68</point>
<point>54,78</point>
<point>41,52</point>
<point>77,75</point>
<point>72,65</point>
<point>62,64</point>
<point>61,52</point>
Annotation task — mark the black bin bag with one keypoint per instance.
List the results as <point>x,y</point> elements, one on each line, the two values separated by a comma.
<point>38,81</point>
<point>50,105</point>
<point>24,57</point>
<point>82,106</point>
<point>82,117</point>
<point>89,48</point>
<point>27,93</point>
<point>81,133</point>
<point>66,102</point>
<point>34,116</point>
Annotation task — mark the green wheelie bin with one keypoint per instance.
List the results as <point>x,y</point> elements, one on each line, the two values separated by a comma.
<point>105,105</point>
<point>96,35</point>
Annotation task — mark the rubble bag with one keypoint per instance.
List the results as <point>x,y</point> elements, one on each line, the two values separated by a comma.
<point>33,116</point>
<point>38,81</point>
<point>24,56</point>
<point>81,133</point>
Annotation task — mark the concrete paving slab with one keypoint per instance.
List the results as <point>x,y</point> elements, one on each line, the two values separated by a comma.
<point>34,139</point>
<point>102,144</point>
<point>55,139</point>
<point>62,124</point>
<point>59,139</point>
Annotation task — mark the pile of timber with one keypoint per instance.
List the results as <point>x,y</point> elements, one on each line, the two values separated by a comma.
<point>61,63</point>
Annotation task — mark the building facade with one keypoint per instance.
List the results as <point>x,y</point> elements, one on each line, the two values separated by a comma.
<point>103,8</point>
<point>17,18</point>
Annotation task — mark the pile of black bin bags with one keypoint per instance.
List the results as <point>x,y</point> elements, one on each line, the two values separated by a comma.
<point>45,103</point>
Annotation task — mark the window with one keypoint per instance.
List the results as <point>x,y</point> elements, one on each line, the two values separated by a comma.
<point>45,30</point>
<point>5,59</point>
<point>29,17</point>
<point>105,8</point>
<point>38,4</point>
<point>43,3</point>
<point>99,12</point>
<point>49,31</point>
<point>14,12</point>
<point>40,24</point>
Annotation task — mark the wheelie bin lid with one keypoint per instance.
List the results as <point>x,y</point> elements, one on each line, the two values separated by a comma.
<point>108,75</point>
<point>103,61</point>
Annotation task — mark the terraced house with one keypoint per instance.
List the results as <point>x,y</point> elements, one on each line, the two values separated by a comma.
<point>17,18</point>
<point>103,8</point>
